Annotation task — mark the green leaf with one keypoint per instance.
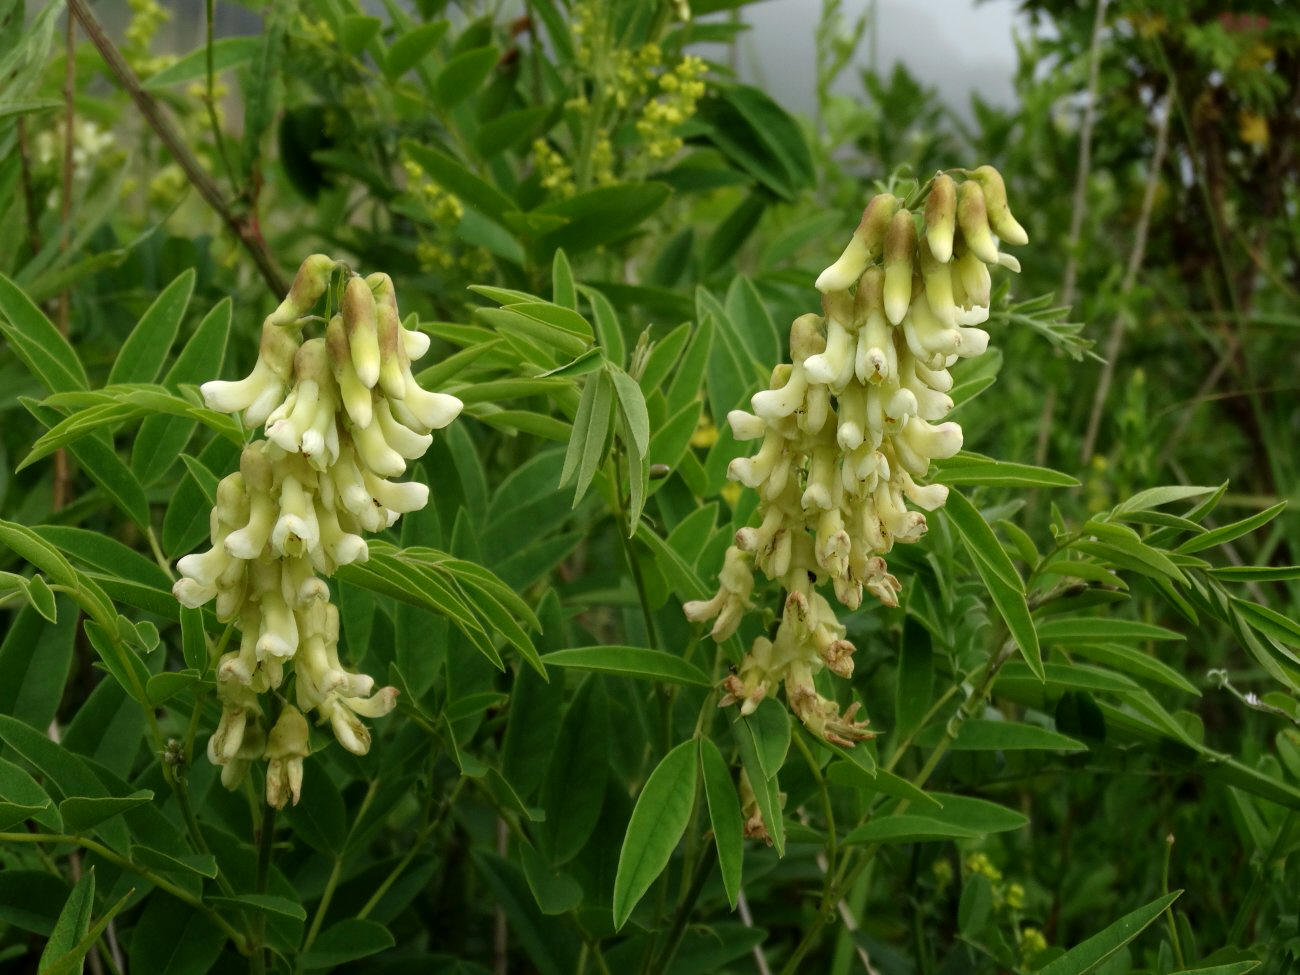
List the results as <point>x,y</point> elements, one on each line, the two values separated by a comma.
<point>563,290</point>
<point>601,215</point>
<point>162,438</point>
<point>171,938</point>
<point>22,798</point>
<point>639,662</point>
<point>547,334</point>
<point>975,469</point>
<point>1256,573</point>
<point>462,75</point>
<point>575,781</point>
<point>999,576</point>
<point>1132,661</point>
<point>46,353</point>
<point>980,541</point>
<point>269,904</point>
<point>982,735</point>
<point>346,941</point>
<point>82,813</point>
<point>140,360</point>
<point>35,658</point>
<point>1226,533</point>
<point>227,52</point>
<point>907,828</point>
<point>725,816</point>
<point>1269,621</point>
<point>555,892</point>
<point>73,959</point>
<point>1159,496</point>
<point>658,821</point>
<point>1094,629</point>
<point>413,47</point>
<point>586,447</point>
<point>632,404</point>
<point>357,31</point>
<point>769,729</point>
<point>184,864</point>
<point>459,181</point>
<point>608,329</point>
<point>1091,953</point>
<point>73,922</point>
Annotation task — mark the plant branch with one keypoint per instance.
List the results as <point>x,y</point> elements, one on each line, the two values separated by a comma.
<point>1115,340</point>
<point>245,229</point>
<point>161,883</point>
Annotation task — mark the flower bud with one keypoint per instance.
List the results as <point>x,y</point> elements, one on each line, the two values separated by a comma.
<point>995,201</point>
<point>863,248</point>
<point>974,223</point>
<point>392,353</point>
<point>940,218</point>
<point>308,285</point>
<point>286,747</point>
<point>900,250</point>
<point>360,320</point>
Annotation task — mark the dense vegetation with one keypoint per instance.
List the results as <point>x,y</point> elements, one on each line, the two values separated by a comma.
<point>620,690</point>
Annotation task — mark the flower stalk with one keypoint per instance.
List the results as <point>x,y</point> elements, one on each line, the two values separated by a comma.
<point>848,429</point>
<point>343,415</point>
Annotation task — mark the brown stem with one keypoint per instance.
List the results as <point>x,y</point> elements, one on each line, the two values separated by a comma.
<point>1115,340</point>
<point>245,228</point>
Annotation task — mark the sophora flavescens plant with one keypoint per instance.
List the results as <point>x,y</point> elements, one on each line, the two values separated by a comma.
<point>848,429</point>
<point>343,415</point>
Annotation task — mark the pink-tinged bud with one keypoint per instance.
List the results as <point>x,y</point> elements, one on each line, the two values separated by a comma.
<point>863,248</point>
<point>941,217</point>
<point>995,201</point>
<point>360,320</point>
<point>974,222</point>
<point>900,251</point>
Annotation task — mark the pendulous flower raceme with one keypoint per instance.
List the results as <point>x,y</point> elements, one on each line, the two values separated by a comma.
<point>848,429</point>
<point>343,414</point>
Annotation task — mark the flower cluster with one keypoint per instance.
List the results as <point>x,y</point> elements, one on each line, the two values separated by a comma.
<point>680,89</point>
<point>343,415</point>
<point>848,429</point>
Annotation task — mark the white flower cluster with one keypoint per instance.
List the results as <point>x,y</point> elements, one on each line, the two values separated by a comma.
<point>849,428</point>
<point>343,414</point>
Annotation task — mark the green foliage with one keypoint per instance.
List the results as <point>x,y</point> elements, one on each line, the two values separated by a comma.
<point>1087,704</point>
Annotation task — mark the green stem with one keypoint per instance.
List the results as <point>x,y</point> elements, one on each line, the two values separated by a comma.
<point>161,883</point>
<point>265,836</point>
<point>626,531</point>
<point>664,959</point>
<point>849,874</point>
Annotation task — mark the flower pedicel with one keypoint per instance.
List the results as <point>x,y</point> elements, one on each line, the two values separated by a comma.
<point>848,429</point>
<point>343,415</point>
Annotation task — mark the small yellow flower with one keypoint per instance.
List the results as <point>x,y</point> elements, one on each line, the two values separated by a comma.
<point>705,435</point>
<point>1253,129</point>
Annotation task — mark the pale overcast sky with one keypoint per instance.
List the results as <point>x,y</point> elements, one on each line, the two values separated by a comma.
<point>956,46</point>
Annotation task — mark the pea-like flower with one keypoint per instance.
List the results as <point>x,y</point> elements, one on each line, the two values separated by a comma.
<point>343,415</point>
<point>848,429</point>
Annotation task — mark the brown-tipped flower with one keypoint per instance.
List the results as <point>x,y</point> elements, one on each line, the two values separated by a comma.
<point>941,217</point>
<point>392,354</point>
<point>357,400</point>
<point>309,284</point>
<point>360,319</point>
<point>995,202</point>
<point>900,250</point>
<point>972,217</point>
<point>864,247</point>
